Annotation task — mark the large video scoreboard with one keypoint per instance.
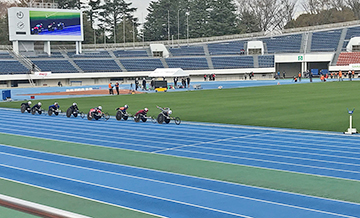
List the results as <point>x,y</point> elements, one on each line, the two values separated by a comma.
<point>40,24</point>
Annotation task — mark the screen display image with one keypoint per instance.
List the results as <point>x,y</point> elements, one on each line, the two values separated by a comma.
<point>55,23</point>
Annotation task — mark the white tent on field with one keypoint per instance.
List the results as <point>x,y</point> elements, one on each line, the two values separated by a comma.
<point>169,72</point>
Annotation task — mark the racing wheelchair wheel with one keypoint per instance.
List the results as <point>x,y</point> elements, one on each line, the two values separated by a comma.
<point>75,114</point>
<point>40,111</point>
<point>56,113</point>
<point>89,116</point>
<point>23,108</point>
<point>125,117</point>
<point>106,116</point>
<point>144,119</point>
<point>50,112</point>
<point>177,120</point>
<point>69,112</point>
<point>160,118</point>
<point>137,118</point>
<point>167,120</point>
<point>118,115</point>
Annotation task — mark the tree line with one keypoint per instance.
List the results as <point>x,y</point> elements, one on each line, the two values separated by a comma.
<point>113,21</point>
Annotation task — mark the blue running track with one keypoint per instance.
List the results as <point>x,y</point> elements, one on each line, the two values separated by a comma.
<point>172,195</point>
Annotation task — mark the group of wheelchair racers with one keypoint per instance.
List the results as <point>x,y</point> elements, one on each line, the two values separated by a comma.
<point>96,113</point>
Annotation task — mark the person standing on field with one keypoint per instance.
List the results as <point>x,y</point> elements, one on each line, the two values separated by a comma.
<point>117,87</point>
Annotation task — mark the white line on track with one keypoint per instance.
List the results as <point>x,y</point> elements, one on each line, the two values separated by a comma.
<point>208,142</point>
<point>190,176</point>
<point>127,191</point>
<point>253,159</point>
<point>161,182</point>
<point>82,197</point>
<point>273,155</point>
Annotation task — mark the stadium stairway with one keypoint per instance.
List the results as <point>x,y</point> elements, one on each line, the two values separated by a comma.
<point>113,56</point>
<point>71,61</point>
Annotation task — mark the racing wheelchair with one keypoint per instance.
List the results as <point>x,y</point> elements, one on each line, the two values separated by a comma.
<point>37,110</point>
<point>143,118</point>
<point>70,111</point>
<point>53,111</point>
<point>25,107</point>
<point>95,115</point>
<point>122,115</point>
<point>164,116</point>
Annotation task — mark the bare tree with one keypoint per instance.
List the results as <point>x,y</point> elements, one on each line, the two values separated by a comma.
<point>271,14</point>
<point>354,5</point>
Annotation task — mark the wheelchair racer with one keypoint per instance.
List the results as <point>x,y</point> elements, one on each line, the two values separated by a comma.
<point>74,107</point>
<point>36,106</point>
<point>123,109</point>
<point>142,112</point>
<point>96,112</point>
<point>27,106</point>
<point>166,111</point>
<point>54,107</point>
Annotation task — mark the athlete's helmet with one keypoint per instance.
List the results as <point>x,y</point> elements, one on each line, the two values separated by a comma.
<point>170,112</point>
<point>146,110</point>
<point>29,102</point>
<point>74,104</point>
<point>39,103</point>
<point>100,108</point>
<point>126,106</point>
<point>55,103</point>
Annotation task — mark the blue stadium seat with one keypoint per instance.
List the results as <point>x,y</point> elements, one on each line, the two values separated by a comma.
<point>92,65</point>
<point>325,40</point>
<point>188,63</point>
<point>131,53</point>
<point>12,67</point>
<point>88,54</point>
<point>148,64</point>
<point>351,32</point>
<point>187,51</point>
<point>226,48</point>
<point>233,62</point>
<point>266,60</point>
<point>283,44</point>
<point>5,55</point>
<point>55,66</point>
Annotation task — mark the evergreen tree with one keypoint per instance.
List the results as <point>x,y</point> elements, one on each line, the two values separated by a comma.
<point>223,19</point>
<point>203,17</point>
<point>114,12</point>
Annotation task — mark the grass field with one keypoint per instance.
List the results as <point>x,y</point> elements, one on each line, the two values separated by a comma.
<point>315,106</point>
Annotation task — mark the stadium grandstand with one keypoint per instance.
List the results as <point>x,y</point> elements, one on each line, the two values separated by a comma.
<point>330,47</point>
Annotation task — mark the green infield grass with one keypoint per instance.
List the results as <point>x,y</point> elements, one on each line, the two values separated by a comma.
<point>314,106</point>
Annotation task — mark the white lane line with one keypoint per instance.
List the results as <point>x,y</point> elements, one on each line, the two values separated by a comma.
<point>272,155</point>
<point>260,160</point>
<point>249,143</point>
<point>266,140</point>
<point>82,138</point>
<point>265,161</point>
<point>127,191</point>
<point>172,184</point>
<point>82,197</point>
<point>208,142</point>
<point>190,176</point>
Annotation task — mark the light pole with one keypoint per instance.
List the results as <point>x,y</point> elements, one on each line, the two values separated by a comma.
<point>133,32</point>
<point>94,36</point>
<point>178,28</point>
<point>187,27</point>
<point>124,28</point>
<point>169,27</point>
<point>115,33</point>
